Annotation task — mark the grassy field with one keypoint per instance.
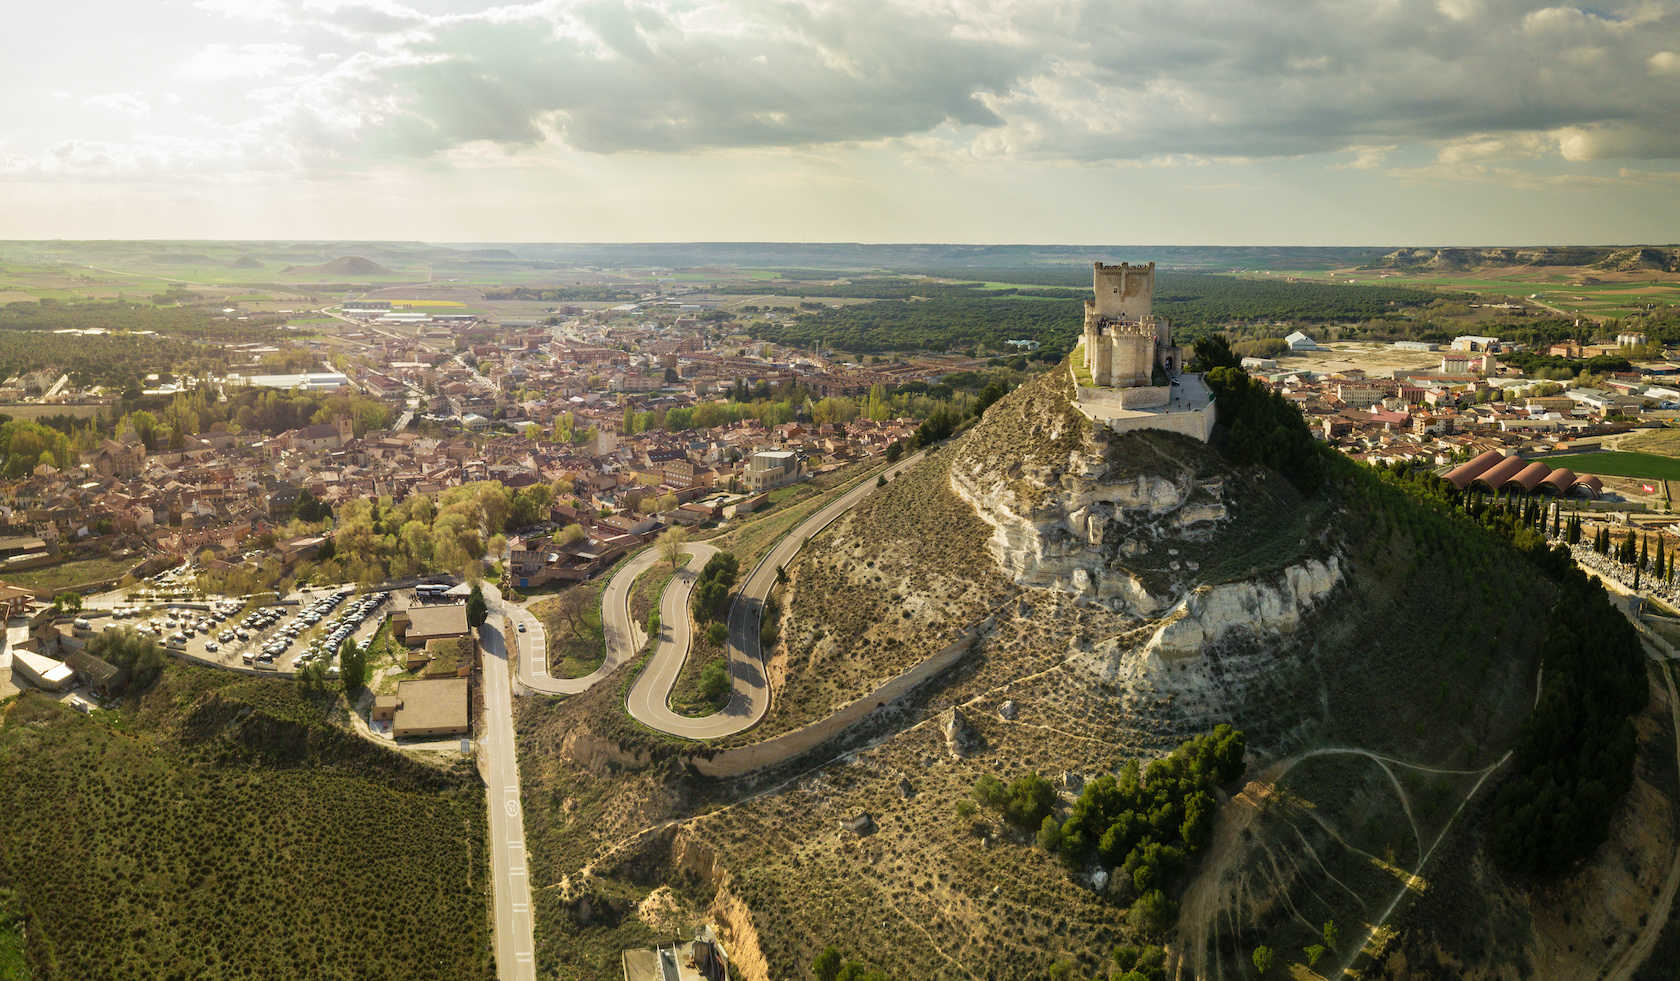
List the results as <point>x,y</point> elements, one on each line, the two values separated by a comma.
<point>72,573</point>
<point>1646,466</point>
<point>221,826</point>
<point>1662,442</point>
<point>645,593</point>
<point>574,654</point>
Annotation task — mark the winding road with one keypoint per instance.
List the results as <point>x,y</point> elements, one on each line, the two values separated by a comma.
<point>649,700</point>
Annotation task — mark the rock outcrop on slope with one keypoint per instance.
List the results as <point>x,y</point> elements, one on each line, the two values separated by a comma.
<point>1147,524</point>
<point>1208,614</point>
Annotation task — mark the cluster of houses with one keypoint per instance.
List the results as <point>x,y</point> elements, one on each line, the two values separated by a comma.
<point>213,493</point>
<point>1470,403</point>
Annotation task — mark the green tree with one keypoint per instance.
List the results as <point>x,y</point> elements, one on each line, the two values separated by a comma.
<point>1214,351</point>
<point>68,602</point>
<point>1030,801</point>
<point>352,665</point>
<point>714,681</point>
<point>1313,953</point>
<point>477,609</point>
<point>1262,958</point>
<point>826,966</point>
<point>990,792</point>
<point>895,450</point>
<point>1330,934</point>
<point>132,651</point>
<point>989,395</point>
<point>1049,834</point>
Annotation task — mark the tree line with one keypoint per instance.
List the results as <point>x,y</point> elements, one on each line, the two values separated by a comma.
<point>1145,823</point>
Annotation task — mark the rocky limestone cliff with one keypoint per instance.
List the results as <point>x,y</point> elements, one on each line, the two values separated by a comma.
<point>1208,614</point>
<point>1148,525</point>
<point>1065,542</point>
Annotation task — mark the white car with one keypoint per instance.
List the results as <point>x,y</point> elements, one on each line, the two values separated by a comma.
<point>211,646</point>
<point>522,626</point>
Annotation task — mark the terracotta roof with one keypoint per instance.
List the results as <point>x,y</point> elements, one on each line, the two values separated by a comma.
<point>1461,475</point>
<point>1501,473</point>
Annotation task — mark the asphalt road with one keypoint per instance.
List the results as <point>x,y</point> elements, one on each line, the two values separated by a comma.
<point>624,637</point>
<point>651,692</point>
<point>750,698</point>
<point>515,949</point>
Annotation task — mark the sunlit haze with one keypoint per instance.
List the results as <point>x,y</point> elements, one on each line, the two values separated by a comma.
<point>1457,121</point>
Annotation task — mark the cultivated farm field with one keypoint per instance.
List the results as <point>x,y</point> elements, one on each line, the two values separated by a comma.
<point>1621,464</point>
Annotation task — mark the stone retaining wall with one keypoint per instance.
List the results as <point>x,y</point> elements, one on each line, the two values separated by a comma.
<point>779,749</point>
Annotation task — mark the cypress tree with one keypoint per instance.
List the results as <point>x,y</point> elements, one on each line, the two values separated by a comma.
<point>1644,551</point>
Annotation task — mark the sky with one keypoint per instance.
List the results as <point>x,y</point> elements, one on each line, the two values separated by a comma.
<point>1237,122</point>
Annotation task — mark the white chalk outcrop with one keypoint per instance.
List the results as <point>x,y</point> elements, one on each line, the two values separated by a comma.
<point>1059,542</point>
<point>1206,615</point>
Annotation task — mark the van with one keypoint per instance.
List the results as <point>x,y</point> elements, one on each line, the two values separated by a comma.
<point>177,641</point>
<point>82,624</point>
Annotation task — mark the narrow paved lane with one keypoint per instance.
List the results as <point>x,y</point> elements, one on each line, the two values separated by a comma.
<point>650,693</point>
<point>515,951</point>
<point>624,637</point>
<point>750,699</point>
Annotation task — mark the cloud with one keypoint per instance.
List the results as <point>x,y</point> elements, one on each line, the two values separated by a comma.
<point>124,102</point>
<point>1366,157</point>
<point>1052,81</point>
<point>220,61</point>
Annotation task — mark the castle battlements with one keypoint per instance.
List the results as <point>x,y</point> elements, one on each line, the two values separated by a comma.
<point>1128,371</point>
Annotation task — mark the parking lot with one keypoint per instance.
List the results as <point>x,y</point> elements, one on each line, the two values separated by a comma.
<point>306,627</point>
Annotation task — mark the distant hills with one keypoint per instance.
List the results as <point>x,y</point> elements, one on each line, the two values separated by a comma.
<point>344,265</point>
<point>1607,258</point>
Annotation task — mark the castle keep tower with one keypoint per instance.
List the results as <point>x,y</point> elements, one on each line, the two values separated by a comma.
<point>1124,341</point>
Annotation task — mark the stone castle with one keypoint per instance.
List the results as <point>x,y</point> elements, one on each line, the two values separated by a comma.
<point>1124,341</point>
<point>1133,374</point>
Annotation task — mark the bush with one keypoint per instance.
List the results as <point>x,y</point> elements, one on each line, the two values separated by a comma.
<point>714,682</point>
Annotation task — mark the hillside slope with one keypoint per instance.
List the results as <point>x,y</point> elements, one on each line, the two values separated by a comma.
<point>1127,592</point>
<point>225,828</point>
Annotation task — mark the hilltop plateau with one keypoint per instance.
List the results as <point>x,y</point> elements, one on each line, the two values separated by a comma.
<point>1101,599</point>
<point>1638,258</point>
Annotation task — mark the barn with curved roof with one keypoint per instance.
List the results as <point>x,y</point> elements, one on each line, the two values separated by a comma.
<point>1461,475</point>
<point>1497,472</point>
<point>1497,476</point>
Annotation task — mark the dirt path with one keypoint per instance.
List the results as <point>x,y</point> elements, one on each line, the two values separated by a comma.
<point>1658,918</point>
<point>1203,903</point>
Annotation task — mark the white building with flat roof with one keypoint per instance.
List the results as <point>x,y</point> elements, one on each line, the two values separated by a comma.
<point>43,672</point>
<point>312,381</point>
<point>771,468</point>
